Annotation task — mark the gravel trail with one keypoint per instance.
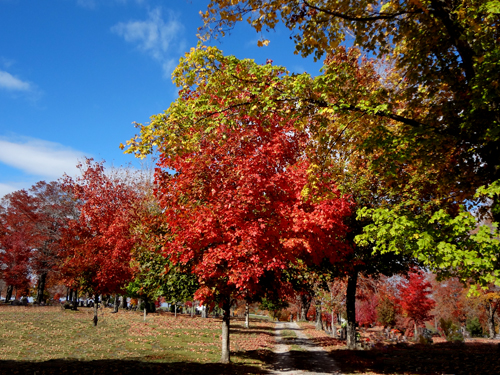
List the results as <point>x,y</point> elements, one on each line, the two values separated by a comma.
<point>300,356</point>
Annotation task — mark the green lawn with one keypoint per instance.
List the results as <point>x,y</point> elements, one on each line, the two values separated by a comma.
<point>48,333</point>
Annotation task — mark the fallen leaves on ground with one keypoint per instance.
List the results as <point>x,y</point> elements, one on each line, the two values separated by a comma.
<point>476,356</point>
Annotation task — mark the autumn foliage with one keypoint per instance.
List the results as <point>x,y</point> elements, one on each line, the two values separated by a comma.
<point>98,243</point>
<point>31,223</point>
<point>16,239</point>
<point>414,298</point>
<point>236,212</point>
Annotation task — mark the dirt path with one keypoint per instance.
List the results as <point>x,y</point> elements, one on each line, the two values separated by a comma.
<point>298,355</point>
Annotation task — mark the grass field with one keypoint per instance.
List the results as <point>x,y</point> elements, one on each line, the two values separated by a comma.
<point>48,340</point>
<point>36,334</point>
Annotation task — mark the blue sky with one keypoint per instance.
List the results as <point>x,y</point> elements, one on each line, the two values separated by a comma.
<point>75,74</point>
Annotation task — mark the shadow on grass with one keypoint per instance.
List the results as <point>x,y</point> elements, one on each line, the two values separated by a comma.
<point>443,358</point>
<point>240,322</point>
<point>327,341</point>
<point>132,367</point>
<point>239,327</point>
<point>250,331</point>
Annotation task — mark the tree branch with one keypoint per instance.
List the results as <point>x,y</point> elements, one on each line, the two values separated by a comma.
<point>455,33</point>
<point>392,116</point>
<point>375,17</point>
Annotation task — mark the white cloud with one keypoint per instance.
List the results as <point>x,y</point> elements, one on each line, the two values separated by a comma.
<point>6,63</point>
<point>90,4</point>
<point>158,38</point>
<point>11,83</point>
<point>7,189</point>
<point>38,157</point>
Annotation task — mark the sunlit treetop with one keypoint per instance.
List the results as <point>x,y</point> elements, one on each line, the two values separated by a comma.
<point>446,54</point>
<point>415,30</point>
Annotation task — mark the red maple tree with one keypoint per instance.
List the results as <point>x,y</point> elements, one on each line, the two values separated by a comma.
<point>14,260</point>
<point>367,300</point>
<point>237,215</point>
<point>34,219</point>
<point>414,298</point>
<point>17,239</point>
<point>99,241</point>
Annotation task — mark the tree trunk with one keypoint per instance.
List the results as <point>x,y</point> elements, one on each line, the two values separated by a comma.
<point>96,302</point>
<point>491,319</point>
<point>334,330</point>
<point>117,303</point>
<point>319,321</point>
<point>8,296</point>
<point>416,331</point>
<point>123,303</point>
<point>226,347</point>
<point>75,300</point>
<point>145,308</point>
<point>350,301</point>
<point>247,315</point>
<point>41,288</point>
<point>70,295</point>
<point>175,309</point>
<point>305,303</point>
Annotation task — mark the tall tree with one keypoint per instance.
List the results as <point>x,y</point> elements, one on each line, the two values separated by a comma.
<point>154,274</point>
<point>491,302</point>
<point>14,261</point>
<point>451,300</point>
<point>208,104</point>
<point>36,218</point>
<point>235,210</point>
<point>433,138</point>
<point>414,299</point>
<point>98,243</point>
<point>54,208</point>
<point>16,240</point>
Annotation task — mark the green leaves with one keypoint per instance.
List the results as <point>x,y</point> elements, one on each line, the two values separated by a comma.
<point>449,245</point>
<point>492,7</point>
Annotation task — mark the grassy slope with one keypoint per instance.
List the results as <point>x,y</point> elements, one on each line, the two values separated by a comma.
<point>29,334</point>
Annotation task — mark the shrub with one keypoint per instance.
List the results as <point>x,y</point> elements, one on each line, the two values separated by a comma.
<point>274,307</point>
<point>474,327</point>
<point>426,337</point>
<point>386,312</point>
<point>450,330</point>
